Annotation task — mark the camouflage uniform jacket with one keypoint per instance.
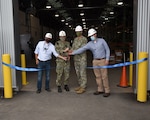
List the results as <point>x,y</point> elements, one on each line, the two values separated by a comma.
<point>60,46</point>
<point>78,43</point>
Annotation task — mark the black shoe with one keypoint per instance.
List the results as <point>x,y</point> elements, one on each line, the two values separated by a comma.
<point>48,90</point>
<point>38,91</point>
<point>66,88</point>
<point>106,95</point>
<point>59,89</point>
<point>98,93</point>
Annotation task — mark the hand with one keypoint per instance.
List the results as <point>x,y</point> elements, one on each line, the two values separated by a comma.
<point>107,62</point>
<point>68,58</point>
<point>37,61</point>
<point>67,49</point>
<point>65,58</point>
<point>70,52</point>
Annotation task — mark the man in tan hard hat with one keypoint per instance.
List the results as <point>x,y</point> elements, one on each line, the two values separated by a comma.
<point>62,46</point>
<point>101,54</point>
<point>43,55</point>
<point>80,60</point>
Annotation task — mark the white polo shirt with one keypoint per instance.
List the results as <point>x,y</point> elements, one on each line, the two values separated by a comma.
<point>45,50</point>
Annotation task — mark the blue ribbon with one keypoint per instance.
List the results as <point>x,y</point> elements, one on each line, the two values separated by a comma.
<point>22,69</point>
<point>108,66</point>
<point>119,64</point>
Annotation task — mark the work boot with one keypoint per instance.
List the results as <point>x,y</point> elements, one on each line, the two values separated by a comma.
<point>66,88</point>
<point>98,93</point>
<point>80,91</point>
<point>38,91</point>
<point>106,95</point>
<point>77,88</point>
<point>59,89</point>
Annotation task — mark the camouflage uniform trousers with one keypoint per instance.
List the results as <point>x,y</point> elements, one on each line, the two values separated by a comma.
<point>80,67</point>
<point>62,67</point>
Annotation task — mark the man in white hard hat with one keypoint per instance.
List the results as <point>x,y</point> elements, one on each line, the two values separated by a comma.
<point>43,54</point>
<point>80,60</point>
<point>62,46</point>
<point>101,54</point>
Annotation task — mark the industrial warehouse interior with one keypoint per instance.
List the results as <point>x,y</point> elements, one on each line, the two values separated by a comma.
<point>114,21</point>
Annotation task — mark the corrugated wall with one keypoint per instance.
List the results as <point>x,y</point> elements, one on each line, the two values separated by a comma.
<point>8,41</point>
<point>143,29</point>
<point>1,48</point>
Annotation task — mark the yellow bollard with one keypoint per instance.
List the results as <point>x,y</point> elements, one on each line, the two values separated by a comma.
<point>23,65</point>
<point>7,77</point>
<point>131,70</point>
<point>142,78</point>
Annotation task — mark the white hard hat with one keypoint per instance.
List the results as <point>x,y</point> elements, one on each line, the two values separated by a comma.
<point>48,35</point>
<point>78,28</point>
<point>62,33</point>
<point>91,32</point>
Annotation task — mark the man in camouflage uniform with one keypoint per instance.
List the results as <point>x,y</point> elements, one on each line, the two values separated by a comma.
<point>62,66</point>
<point>80,61</point>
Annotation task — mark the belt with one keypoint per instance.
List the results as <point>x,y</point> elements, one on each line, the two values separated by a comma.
<point>99,58</point>
<point>44,61</point>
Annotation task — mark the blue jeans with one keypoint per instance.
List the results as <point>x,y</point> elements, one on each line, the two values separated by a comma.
<point>43,65</point>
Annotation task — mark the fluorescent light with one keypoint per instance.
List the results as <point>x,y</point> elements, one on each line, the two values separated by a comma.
<point>84,23</point>
<point>82,14</point>
<point>48,6</point>
<point>56,15</point>
<point>62,20</point>
<point>80,5</point>
<point>120,3</point>
<point>66,23</point>
<point>111,13</point>
<point>106,18</point>
<point>83,19</point>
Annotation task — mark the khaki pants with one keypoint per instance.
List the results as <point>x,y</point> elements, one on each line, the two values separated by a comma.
<point>101,76</point>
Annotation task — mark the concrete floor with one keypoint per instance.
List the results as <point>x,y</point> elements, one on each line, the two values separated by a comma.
<point>28,105</point>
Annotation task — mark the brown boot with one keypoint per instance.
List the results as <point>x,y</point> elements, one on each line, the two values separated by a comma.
<point>80,91</point>
<point>77,88</point>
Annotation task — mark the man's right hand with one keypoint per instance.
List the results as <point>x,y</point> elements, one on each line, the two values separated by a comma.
<point>37,61</point>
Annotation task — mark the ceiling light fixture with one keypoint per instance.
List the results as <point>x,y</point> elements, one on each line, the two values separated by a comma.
<point>62,20</point>
<point>80,4</point>
<point>83,19</point>
<point>82,14</point>
<point>111,13</point>
<point>66,24</point>
<point>84,23</point>
<point>48,6</point>
<point>120,3</point>
<point>106,18</point>
<point>56,15</point>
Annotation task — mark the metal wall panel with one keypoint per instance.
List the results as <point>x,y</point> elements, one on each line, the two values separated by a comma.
<point>1,48</point>
<point>8,35</point>
<point>143,30</point>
